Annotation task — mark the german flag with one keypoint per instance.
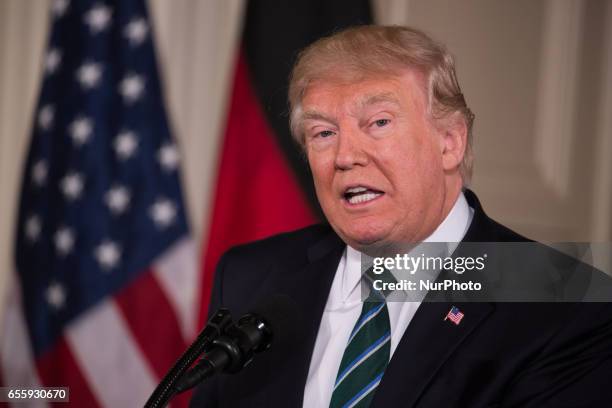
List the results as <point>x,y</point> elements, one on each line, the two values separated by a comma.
<point>263,186</point>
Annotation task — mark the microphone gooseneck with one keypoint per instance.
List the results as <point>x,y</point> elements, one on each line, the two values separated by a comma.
<point>272,323</point>
<point>228,347</point>
<point>214,328</point>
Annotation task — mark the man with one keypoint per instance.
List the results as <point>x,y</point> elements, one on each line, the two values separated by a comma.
<point>387,134</point>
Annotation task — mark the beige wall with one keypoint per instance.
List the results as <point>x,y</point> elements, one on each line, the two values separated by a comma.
<point>538,75</point>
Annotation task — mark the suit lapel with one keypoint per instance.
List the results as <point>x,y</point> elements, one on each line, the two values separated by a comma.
<point>427,343</point>
<point>310,292</point>
<point>282,382</point>
<point>429,340</point>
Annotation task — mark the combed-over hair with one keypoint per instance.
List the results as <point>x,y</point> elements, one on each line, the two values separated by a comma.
<point>373,51</point>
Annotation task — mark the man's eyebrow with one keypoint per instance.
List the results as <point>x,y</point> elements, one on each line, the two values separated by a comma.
<point>315,115</point>
<point>387,97</point>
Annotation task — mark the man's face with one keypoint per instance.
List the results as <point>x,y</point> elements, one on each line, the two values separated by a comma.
<point>376,159</point>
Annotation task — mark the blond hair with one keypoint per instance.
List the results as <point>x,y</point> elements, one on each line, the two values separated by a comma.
<point>371,50</point>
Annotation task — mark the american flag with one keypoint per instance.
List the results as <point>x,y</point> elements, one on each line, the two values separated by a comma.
<point>105,284</point>
<point>455,315</point>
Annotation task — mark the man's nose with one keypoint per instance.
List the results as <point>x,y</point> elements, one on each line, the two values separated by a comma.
<point>351,150</point>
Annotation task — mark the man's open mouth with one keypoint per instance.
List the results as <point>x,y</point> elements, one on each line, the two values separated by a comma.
<point>360,194</point>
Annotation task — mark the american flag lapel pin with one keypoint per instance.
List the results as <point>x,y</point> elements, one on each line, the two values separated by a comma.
<point>454,315</point>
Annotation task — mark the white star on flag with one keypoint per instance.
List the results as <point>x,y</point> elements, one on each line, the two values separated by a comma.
<point>56,295</point>
<point>89,75</point>
<point>118,199</point>
<point>64,241</point>
<point>80,130</point>
<point>163,212</point>
<point>53,60</point>
<point>168,157</point>
<point>125,144</point>
<point>72,186</point>
<point>136,31</point>
<point>45,117</point>
<point>58,8</point>
<point>131,87</point>
<point>98,18</point>
<point>108,254</point>
<point>32,228</point>
<point>39,173</point>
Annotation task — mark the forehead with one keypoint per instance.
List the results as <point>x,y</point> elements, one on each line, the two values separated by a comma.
<point>402,90</point>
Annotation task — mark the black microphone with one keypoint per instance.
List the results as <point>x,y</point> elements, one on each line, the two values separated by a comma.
<point>215,327</point>
<point>272,324</point>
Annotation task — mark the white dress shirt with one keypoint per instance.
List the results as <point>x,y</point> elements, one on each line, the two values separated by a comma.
<point>344,307</point>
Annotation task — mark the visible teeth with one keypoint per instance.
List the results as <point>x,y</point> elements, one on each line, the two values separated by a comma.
<point>362,198</point>
<point>356,190</point>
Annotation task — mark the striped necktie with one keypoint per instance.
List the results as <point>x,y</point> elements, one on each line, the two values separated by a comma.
<point>365,358</point>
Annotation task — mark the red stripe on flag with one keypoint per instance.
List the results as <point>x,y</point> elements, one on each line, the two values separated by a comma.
<point>153,323</point>
<point>58,368</point>
<point>257,194</point>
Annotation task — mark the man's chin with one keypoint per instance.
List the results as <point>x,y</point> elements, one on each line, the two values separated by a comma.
<point>365,241</point>
<point>374,242</point>
<point>365,235</point>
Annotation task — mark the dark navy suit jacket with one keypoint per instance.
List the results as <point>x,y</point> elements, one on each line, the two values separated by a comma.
<point>500,355</point>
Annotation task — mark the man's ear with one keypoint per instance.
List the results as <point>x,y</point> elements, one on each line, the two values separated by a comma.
<point>454,141</point>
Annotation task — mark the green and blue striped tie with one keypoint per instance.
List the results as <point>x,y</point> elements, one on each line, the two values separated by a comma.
<point>365,358</point>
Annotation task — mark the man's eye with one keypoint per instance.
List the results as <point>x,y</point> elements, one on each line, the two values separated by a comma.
<point>325,133</point>
<point>381,122</point>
